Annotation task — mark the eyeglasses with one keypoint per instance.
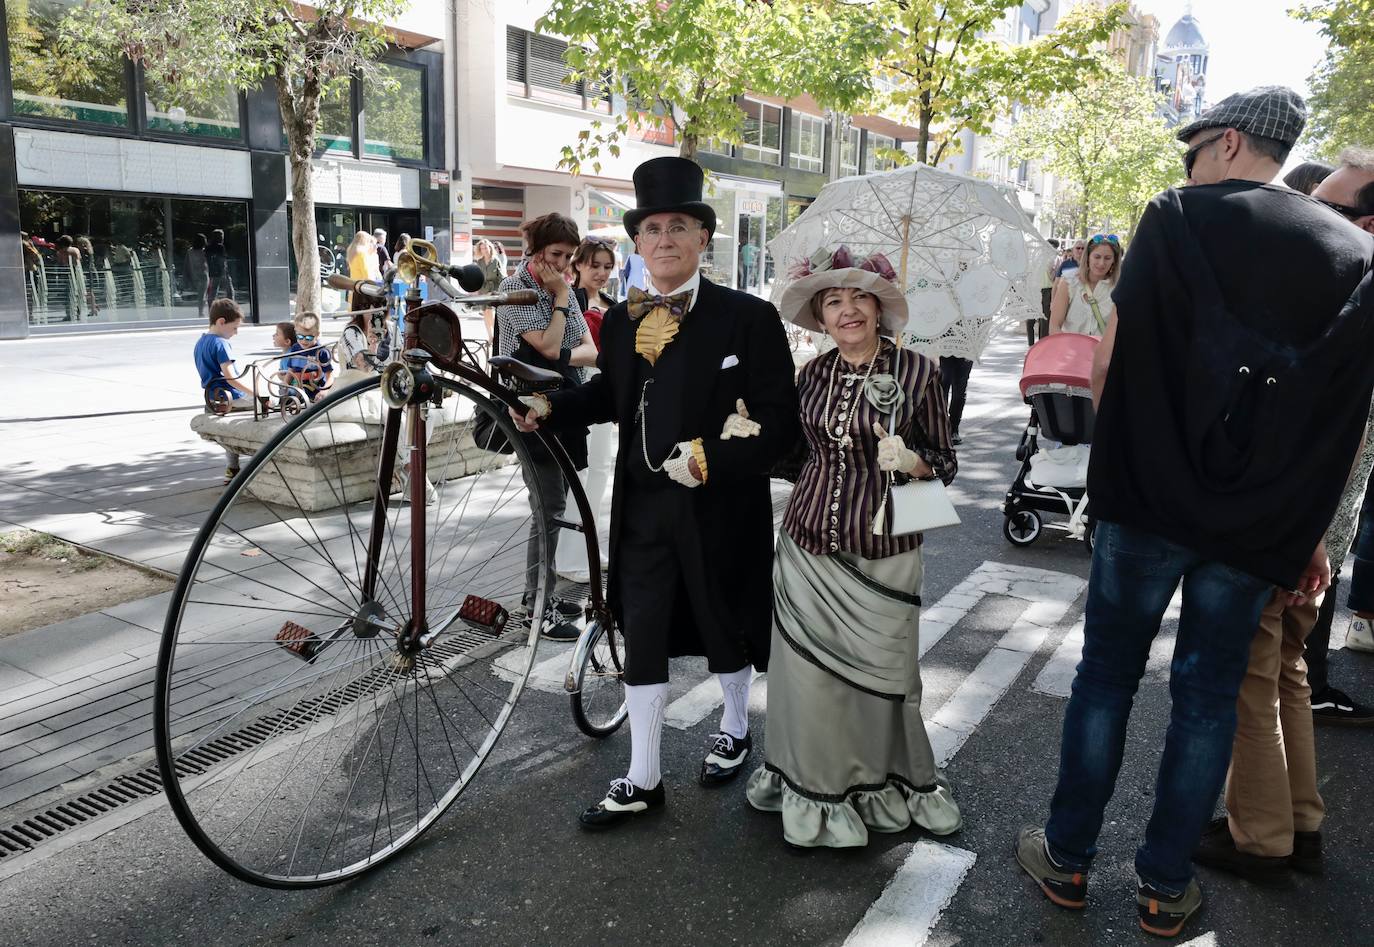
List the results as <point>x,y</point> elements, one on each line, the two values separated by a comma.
<point>1350,213</point>
<point>1111,238</point>
<point>676,232</point>
<point>1190,156</point>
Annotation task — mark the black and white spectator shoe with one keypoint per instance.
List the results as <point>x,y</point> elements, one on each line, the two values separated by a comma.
<point>624,801</point>
<point>726,759</point>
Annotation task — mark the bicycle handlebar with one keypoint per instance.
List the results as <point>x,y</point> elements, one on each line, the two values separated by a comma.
<point>369,288</point>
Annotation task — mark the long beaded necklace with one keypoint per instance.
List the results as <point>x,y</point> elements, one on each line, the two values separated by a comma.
<point>845,419</point>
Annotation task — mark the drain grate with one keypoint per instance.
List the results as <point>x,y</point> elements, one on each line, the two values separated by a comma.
<point>22,837</point>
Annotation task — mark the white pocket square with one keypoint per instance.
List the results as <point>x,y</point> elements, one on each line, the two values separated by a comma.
<point>730,362</point>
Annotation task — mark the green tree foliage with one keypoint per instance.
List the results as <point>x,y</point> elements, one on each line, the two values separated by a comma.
<point>692,59</point>
<point>949,71</point>
<point>76,88</point>
<point>1107,142</point>
<point>197,47</point>
<point>1341,107</point>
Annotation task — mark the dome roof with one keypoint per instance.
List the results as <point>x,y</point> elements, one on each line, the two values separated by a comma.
<point>1186,34</point>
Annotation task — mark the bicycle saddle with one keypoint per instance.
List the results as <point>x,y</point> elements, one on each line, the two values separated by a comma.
<point>512,368</point>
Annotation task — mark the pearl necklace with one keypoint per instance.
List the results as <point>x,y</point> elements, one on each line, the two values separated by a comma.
<point>845,420</point>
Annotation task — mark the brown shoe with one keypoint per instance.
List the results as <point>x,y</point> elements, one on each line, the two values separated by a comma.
<point>1217,849</point>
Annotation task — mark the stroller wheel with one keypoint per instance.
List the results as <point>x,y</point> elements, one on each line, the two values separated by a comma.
<point>1022,527</point>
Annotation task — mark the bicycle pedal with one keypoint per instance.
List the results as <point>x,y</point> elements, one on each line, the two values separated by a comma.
<point>483,614</point>
<point>300,641</point>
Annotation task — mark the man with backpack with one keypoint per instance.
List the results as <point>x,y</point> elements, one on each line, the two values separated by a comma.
<point>1207,373</point>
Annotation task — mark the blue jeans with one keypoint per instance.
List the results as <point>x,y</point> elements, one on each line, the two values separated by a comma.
<point>1134,575</point>
<point>1361,597</point>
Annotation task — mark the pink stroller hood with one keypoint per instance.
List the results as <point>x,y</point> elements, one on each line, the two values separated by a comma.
<point>1065,358</point>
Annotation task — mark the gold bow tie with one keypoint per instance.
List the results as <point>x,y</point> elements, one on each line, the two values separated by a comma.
<point>641,303</point>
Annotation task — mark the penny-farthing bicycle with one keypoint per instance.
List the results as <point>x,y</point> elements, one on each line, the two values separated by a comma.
<point>339,655</point>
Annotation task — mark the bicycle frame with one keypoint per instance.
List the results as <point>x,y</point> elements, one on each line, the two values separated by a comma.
<point>456,359</point>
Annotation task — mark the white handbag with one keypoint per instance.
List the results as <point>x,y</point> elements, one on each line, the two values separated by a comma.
<point>916,506</point>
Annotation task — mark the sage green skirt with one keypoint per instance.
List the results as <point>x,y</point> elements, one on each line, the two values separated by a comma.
<point>846,747</point>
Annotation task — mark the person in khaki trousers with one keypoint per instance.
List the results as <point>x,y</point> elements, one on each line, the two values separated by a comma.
<point>1274,811</point>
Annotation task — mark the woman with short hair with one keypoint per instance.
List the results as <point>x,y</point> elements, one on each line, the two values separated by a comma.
<point>847,751</point>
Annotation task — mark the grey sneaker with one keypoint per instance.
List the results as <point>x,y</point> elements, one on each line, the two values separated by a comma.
<point>1165,914</point>
<point>1063,886</point>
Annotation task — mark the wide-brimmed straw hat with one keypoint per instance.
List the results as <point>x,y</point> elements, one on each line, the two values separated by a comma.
<point>832,269</point>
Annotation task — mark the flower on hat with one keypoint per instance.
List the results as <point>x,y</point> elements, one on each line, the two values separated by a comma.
<point>842,258</point>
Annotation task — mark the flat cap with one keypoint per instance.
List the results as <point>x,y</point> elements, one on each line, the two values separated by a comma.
<point>1271,111</point>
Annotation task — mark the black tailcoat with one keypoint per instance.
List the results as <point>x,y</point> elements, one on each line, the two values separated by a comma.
<point>736,349</point>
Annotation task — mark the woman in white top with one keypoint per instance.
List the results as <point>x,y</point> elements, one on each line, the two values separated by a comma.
<point>1082,300</point>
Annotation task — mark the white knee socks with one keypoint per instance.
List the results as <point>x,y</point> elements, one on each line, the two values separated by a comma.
<point>646,704</point>
<point>735,687</point>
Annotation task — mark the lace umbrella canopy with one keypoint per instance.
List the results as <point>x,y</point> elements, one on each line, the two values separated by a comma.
<point>966,254</point>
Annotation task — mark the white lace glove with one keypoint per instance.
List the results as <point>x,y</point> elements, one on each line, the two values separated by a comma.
<point>677,466</point>
<point>738,424</point>
<point>893,454</point>
<point>538,404</point>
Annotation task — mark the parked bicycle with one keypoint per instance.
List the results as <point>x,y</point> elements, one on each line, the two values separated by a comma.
<point>339,655</point>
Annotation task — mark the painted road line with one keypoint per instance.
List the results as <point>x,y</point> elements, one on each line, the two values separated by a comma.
<point>701,701</point>
<point>1208,939</point>
<point>909,906</point>
<point>1056,677</point>
<point>545,676</point>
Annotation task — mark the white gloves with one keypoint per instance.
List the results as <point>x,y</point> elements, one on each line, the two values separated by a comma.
<point>893,454</point>
<point>677,466</point>
<point>738,424</point>
<point>538,404</point>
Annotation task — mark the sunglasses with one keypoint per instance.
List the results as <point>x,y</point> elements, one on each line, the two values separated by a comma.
<point>1345,210</point>
<point>1190,156</point>
<point>1111,238</point>
<point>599,241</point>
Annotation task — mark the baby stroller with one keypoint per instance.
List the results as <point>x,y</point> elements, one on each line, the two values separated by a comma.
<point>1057,383</point>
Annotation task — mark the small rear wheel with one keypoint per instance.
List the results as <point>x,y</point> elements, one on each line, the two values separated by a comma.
<point>598,704</point>
<point>1022,527</point>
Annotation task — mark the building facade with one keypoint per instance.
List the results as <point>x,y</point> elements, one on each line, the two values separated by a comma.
<point>1181,69</point>
<point>128,205</point>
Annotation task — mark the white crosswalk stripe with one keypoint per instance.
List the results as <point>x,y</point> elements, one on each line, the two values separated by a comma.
<point>912,901</point>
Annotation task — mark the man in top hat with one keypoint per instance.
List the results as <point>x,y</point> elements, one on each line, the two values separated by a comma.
<point>1246,310</point>
<point>701,382</point>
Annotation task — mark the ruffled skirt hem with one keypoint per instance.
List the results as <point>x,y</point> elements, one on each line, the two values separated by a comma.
<point>845,822</point>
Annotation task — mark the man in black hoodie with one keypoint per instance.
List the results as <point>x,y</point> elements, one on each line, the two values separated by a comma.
<point>1228,418</point>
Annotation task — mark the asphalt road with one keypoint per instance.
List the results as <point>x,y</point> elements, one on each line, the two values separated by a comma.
<point>509,866</point>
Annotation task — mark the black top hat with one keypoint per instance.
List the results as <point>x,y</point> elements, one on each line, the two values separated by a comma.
<point>665,185</point>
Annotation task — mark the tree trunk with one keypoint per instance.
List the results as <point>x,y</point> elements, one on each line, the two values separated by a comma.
<point>300,118</point>
<point>690,145</point>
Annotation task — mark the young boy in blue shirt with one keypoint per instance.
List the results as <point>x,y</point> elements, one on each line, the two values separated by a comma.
<point>215,363</point>
<point>311,369</point>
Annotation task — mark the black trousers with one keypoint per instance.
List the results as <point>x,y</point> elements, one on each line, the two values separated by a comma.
<point>1315,651</point>
<point>954,374</point>
<point>668,602</point>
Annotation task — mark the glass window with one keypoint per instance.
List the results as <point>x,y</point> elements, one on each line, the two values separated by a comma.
<point>335,130</point>
<point>109,258</point>
<point>211,114</point>
<point>50,85</point>
<point>808,142</point>
<point>849,152</point>
<point>716,146</point>
<point>394,113</point>
<point>874,161</point>
<point>762,132</point>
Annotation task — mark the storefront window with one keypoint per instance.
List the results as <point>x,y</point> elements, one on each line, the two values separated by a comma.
<point>849,152</point>
<point>762,132</point>
<point>48,84</point>
<point>112,258</point>
<point>808,142</point>
<point>335,131</point>
<point>719,260</point>
<point>874,161</point>
<point>213,113</point>
<point>393,113</point>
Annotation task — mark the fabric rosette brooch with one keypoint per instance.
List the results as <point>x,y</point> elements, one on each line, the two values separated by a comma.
<point>828,268</point>
<point>883,392</point>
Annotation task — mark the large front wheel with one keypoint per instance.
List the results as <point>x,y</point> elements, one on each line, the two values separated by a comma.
<point>299,742</point>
